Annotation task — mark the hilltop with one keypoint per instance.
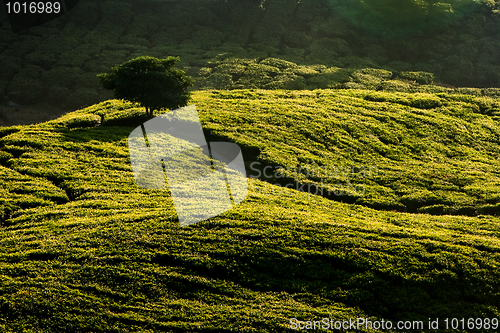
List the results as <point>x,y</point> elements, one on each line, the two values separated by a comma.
<point>84,249</point>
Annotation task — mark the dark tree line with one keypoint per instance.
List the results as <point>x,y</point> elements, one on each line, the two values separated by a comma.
<point>457,41</point>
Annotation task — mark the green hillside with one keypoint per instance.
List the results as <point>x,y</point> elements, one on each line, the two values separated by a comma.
<point>85,250</point>
<point>56,63</point>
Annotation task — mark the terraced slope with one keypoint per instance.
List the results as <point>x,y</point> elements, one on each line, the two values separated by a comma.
<point>429,153</point>
<point>84,250</point>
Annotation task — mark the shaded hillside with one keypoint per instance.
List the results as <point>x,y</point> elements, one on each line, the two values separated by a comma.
<point>57,62</point>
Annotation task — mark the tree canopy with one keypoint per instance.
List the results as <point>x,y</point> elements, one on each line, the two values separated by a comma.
<point>391,18</point>
<point>153,83</point>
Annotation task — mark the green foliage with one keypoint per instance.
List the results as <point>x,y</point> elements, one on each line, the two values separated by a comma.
<point>116,14</point>
<point>82,248</point>
<point>329,78</point>
<point>456,41</point>
<point>391,18</point>
<point>328,47</point>
<point>298,39</point>
<point>11,66</point>
<point>279,63</point>
<point>4,157</point>
<point>27,84</point>
<point>419,77</point>
<point>84,16</point>
<point>273,73</point>
<point>153,83</point>
<point>67,77</point>
<point>368,78</point>
<point>432,135</point>
<point>397,85</point>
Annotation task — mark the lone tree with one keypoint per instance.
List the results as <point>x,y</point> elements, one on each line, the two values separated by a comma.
<point>153,83</point>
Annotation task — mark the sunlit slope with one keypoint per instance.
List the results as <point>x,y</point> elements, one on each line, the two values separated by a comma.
<point>82,249</point>
<point>435,153</point>
<point>99,266</point>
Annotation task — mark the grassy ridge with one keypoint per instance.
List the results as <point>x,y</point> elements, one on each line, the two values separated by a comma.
<point>101,255</point>
<point>422,152</point>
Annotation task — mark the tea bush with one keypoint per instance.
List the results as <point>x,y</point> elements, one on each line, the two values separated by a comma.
<point>81,242</point>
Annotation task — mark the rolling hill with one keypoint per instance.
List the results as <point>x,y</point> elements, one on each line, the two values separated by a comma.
<point>406,228</point>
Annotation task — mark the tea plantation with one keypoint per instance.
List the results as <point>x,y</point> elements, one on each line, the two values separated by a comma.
<point>396,220</point>
<point>56,63</point>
